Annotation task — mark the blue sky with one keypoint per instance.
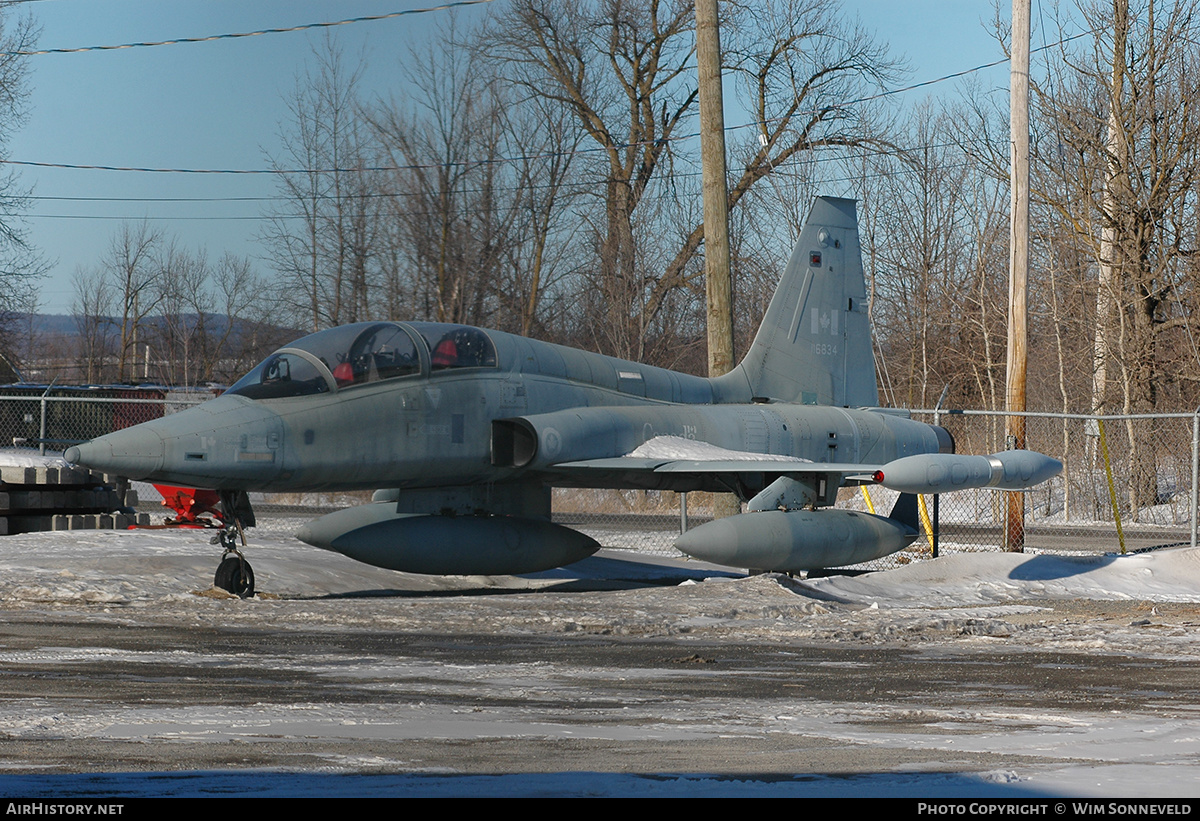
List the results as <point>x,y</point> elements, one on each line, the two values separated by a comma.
<point>220,104</point>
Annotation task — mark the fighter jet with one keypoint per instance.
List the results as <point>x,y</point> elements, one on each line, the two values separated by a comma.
<point>462,433</point>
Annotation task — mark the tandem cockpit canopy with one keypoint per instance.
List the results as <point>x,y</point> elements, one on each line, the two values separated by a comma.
<point>365,352</point>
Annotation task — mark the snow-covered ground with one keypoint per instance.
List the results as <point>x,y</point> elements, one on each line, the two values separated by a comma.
<point>1140,610</point>
<point>27,458</point>
<point>989,578</point>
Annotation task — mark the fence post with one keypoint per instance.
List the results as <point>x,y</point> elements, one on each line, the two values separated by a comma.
<point>42,424</point>
<point>935,535</point>
<point>1195,467</point>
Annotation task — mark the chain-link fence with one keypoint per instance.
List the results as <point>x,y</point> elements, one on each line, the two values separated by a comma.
<point>1127,483</point>
<point>1127,480</point>
<point>47,419</point>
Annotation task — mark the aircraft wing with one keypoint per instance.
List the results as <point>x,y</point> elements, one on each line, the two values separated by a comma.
<point>675,463</point>
<point>670,463</point>
<point>775,467</point>
<point>699,465</point>
<point>673,454</point>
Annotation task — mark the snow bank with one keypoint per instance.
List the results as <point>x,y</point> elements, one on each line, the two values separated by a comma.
<point>981,578</point>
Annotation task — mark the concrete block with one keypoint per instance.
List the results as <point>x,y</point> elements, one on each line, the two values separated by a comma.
<point>17,475</point>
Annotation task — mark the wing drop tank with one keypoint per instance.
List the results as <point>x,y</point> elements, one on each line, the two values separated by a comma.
<point>796,540</point>
<point>447,545</point>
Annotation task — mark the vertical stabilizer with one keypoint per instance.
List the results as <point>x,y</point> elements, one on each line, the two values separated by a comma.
<point>814,345</point>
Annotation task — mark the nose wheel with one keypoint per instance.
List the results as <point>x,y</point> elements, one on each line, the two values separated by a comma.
<point>234,574</point>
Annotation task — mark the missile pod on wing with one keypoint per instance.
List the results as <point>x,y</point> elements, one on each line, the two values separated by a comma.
<point>945,472</point>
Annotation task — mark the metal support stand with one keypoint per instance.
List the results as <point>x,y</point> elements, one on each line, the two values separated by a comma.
<point>937,503</point>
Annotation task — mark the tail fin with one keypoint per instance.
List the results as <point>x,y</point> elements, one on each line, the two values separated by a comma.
<point>814,345</point>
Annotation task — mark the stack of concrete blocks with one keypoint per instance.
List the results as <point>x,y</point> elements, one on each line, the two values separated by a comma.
<point>65,498</point>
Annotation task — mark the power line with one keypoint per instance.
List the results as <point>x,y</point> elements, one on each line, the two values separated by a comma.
<point>152,217</point>
<point>576,188</point>
<point>46,198</point>
<point>214,37</point>
<point>363,169</point>
<point>504,160</point>
<point>516,158</point>
<point>567,188</point>
<point>585,186</point>
<point>955,75</point>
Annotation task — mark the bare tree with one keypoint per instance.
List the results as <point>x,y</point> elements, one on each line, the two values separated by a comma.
<point>184,310</point>
<point>452,204</point>
<point>543,241</point>
<point>92,309</point>
<point>199,322</point>
<point>622,68</point>
<point>1126,118</point>
<point>322,242</point>
<point>209,318</point>
<point>922,251</point>
<point>249,331</point>
<point>133,269</point>
<point>20,266</point>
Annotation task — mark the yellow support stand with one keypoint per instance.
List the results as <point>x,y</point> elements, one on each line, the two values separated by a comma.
<point>1112,489</point>
<point>867,499</point>
<point>925,522</point>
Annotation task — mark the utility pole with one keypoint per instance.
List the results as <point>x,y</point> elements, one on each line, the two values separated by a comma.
<point>719,289</point>
<point>717,279</point>
<point>1018,264</point>
<point>1109,248</point>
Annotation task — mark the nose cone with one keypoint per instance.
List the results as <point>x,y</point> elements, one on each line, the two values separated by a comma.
<point>134,452</point>
<point>228,442</point>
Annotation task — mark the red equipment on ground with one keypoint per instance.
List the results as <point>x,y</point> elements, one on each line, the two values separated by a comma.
<point>191,505</point>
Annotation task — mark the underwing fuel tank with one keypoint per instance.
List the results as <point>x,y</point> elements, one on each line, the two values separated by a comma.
<point>447,545</point>
<point>796,540</point>
<point>945,472</point>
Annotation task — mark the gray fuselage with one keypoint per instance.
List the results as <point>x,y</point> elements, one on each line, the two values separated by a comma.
<point>432,427</point>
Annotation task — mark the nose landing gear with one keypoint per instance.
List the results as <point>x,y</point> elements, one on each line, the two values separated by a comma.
<point>234,574</point>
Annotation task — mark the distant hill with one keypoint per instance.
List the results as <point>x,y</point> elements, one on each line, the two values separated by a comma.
<point>44,345</point>
<point>49,324</point>
<point>63,325</point>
